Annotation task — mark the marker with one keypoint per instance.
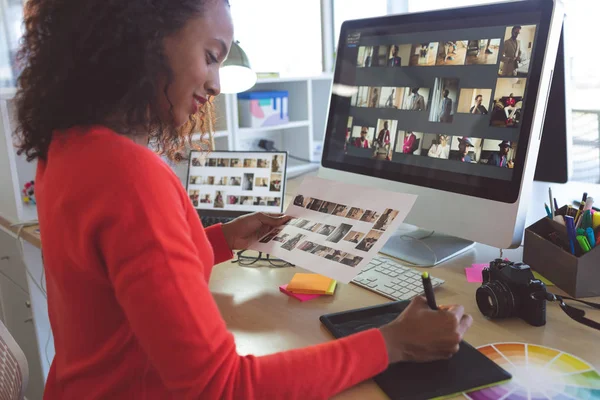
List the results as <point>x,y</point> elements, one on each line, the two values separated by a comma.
<point>577,203</point>
<point>548,212</point>
<point>551,202</point>
<point>571,233</point>
<point>591,237</point>
<point>556,205</point>
<point>581,206</point>
<point>583,243</point>
<point>429,291</point>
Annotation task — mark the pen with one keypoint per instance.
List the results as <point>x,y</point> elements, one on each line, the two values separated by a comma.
<point>577,204</point>
<point>581,206</point>
<point>556,205</point>
<point>548,212</point>
<point>571,232</point>
<point>583,243</point>
<point>551,202</point>
<point>429,291</point>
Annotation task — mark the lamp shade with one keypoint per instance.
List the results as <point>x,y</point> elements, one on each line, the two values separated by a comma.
<point>235,73</point>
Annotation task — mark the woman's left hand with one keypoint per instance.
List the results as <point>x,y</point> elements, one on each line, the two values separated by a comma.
<point>246,229</point>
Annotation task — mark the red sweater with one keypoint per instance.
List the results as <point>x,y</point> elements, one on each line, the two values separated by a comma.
<point>127,267</point>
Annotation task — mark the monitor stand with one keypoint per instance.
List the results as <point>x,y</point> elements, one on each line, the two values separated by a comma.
<point>423,248</point>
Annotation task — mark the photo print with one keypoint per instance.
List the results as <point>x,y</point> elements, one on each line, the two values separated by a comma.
<point>386,136</point>
<point>299,201</point>
<point>452,52</point>
<point>498,153</point>
<point>274,201</point>
<point>194,197</point>
<point>223,162</point>
<point>313,227</point>
<point>301,223</point>
<point>250,163</point>
<point>483,52</point>
<point>374,94</point>
<point>415,99</point>
<point>465,149</point>
<point>307,246</point>
<point>508,102</point>
<point>339,233</point>
<point>263,163</point>
<point>399,55</point>
<point>340,210</point>
<point>369,216</point>
<point>362,136</point>
<point>351,261</point>
<point>206,199</point>
<point>247,200</point>
<point>270,236</point>
<point>235,181</point>
<point>219,199</point>
<point>517,51</point>
<point>367,243</point>
<point>210,180</point>
<point>212,162</point>
<point>260,201</point>
<point>235,163</point>
<point>222,181</point>
<point>354,237</point>
<point>282,237</point>
<point>326,230</point>
<point>409,142</point>
<point>444,100</point>
<point>327,207</point>
<point>474,101</point>
<point>386,219</point>
<point>321,251</point>
<point>233,200</point>
<point>314,204</point>
<point>391,97</point>
<point>196,180</point>
<point>293,242</point>
<point>436,145</point>
<point>248,182</point>
<point>423,54</point>
<point>261,182</point>
<point>277,164</point>
<point>335,255</point>
<point>355,213</point>
<point>361,97</point>
<point>276,183</point>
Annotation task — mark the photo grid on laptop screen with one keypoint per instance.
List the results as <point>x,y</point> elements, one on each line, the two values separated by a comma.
<point>237,181</point>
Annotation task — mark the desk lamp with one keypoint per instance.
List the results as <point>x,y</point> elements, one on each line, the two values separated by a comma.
<point>236,73</point>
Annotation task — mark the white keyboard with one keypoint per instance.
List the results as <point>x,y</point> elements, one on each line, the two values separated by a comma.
<point>392,280</point>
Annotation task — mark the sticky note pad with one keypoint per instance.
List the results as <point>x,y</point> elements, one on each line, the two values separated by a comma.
<point>541,278</point>
<point>474,274</point>
<point>310,284</point>
<point>298,296</point>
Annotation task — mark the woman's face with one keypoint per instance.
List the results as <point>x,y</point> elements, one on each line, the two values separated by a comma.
<point>195,54</point>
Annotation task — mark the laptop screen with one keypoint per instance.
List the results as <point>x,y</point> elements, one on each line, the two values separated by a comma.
<point>235,183</point>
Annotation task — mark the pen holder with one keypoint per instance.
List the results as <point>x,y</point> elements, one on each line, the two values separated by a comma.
<point>544,251</point>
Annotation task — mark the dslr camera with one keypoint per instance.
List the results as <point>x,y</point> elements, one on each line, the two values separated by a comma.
<point>510,290</point>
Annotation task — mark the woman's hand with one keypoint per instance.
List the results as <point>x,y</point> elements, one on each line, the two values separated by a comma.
<point>421,334</point>
<point>240,232</point>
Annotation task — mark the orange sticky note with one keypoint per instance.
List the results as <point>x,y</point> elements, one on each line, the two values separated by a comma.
<point>309,284</point>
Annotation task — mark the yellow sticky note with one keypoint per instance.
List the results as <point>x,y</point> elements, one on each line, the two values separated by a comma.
<point>309,284</point>
<point>541,278</point>
<point>331,288</point>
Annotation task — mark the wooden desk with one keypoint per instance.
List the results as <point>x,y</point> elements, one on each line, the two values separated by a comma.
<point>265,320</point>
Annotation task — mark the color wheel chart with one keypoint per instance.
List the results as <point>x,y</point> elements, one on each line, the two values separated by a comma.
<point>539,373</point>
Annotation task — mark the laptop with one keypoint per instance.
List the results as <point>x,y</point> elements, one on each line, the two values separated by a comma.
<point>224,185</point>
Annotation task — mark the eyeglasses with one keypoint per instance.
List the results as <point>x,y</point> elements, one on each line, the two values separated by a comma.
<point>247,260</point>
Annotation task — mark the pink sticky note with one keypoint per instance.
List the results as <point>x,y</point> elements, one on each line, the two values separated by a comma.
<point>474,274</point>
<point>301,297</point>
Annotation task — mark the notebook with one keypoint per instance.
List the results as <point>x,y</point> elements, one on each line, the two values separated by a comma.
<point>465,371</point>
<point>311,284</point>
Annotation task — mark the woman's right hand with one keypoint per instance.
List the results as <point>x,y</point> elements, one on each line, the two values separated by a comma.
<point>421,334</point>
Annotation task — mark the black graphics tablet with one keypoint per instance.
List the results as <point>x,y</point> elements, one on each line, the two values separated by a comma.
<point>467,370</point>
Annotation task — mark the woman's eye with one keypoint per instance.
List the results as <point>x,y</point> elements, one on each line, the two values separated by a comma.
<point>211,58</point>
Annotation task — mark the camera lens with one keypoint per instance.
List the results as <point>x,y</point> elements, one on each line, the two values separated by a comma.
<point>495,300</point>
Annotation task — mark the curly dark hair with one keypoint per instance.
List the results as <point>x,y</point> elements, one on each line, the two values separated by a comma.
<point>85,61</point>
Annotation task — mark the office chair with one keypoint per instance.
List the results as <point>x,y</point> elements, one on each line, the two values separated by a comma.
<point>14,370</point>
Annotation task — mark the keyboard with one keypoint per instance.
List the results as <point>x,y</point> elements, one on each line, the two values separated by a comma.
<point>392,279</point>
<point>208,221</point>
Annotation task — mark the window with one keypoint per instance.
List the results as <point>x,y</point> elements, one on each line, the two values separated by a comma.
<point>280,36</point>
<point>11,17</point>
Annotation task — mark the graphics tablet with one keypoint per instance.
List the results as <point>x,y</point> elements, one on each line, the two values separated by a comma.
<point>467,370</point>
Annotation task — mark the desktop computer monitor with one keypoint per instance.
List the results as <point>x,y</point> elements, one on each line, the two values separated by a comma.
<point>448,105</point>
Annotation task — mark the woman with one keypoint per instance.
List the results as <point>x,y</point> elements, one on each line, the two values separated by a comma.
<point>127,260</point>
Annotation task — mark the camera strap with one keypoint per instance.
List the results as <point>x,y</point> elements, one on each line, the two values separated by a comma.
<point>574,312</point>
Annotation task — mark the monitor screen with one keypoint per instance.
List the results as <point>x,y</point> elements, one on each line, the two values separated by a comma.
<point>237,182</point>
<point>443,100</point>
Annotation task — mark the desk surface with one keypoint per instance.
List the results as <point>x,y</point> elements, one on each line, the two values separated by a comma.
<point>265,321</point>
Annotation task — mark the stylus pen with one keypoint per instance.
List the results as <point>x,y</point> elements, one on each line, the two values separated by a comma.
<point>429,291</point>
